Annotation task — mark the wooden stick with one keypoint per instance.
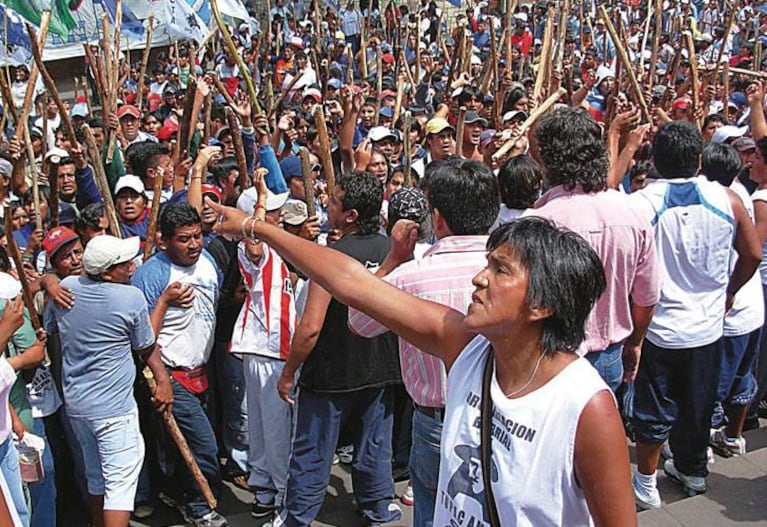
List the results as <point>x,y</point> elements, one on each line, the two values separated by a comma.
<point>284,95</point>
<point>114,84</point>
<point>306,172</point>
<point>459,131</point>
<point>398,99</point>
<point>727,91</point>
<point>207,115</point>
<point>655,42</point>
<point>693,75</point>
<point>725,38</point>
<point>417,69</point>
<point>222,90</point>
<point>529,122</point>
<point>564,13</point>
<point>542,73</point>
<point>35,174</point>
<point>408,147</point>
<point>379,87</point>
<point>97,79</point>
<point>45,21</point>
<point>154,213</point>
<point>144,62</point>
<point>325,154</point>
<point>5,89</point>
<point>644,38</point>
<point>15,254</point>
<point>350,65</point>
<point>239,151</point>
<point>494,54</point>
<point>458,49</point>
<point>87,92</point>
<point>364,48</point>
<point>101,182</point>
<point>185,130</point>
<point>183,447</point>
<point>623,57</point>
<point>749,73</point>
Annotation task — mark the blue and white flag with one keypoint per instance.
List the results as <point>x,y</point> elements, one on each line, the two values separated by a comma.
<point>17,33</point>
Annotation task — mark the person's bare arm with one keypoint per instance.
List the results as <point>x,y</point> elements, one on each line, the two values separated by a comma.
<point>437,330</point>
<point>602,466</point>
<point>755,97</point>
<point>760,215</point>
<point>351,108</point>
<point>747,246</point>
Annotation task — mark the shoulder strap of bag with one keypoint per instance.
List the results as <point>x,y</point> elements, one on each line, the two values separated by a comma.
<point>486,438</point>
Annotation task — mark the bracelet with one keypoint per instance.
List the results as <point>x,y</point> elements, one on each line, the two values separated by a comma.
<point>259,206</point>
<point>253,230</point>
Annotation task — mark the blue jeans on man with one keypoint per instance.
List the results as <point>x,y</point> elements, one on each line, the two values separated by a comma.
<point>42,494</point>
<point>9,465</point>
<point>424,466</point>
<point>609,364</point>
<point>319,419</point>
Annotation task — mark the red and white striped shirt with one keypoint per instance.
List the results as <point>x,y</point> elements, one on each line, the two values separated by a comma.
<point>443,275</point>
<point>267,319</point>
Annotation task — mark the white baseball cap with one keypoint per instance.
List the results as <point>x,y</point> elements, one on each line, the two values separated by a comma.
<point>248,199</point>
<point>102,252</point>
<point>130,181</point>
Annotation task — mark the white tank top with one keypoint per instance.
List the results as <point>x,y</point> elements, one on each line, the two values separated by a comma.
<point>533,443</point>
<point>761,195</point>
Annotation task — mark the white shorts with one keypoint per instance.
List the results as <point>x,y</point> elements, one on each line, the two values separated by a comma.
<point>113,451</point>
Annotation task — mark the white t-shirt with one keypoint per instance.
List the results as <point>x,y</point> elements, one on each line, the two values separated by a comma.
<point>533,442</point>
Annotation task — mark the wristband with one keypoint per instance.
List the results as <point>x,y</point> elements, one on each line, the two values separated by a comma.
<point>253,230</point>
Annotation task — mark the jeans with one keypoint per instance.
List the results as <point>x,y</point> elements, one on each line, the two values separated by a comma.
<point>609,364</point>
<point>674,399</point>
<point>761,368</point>
<point>320,416</point>
<point>424,467</point>
<point>737,382</point>
<point>9,465</point>
<point>42,495</point>
<point>233,410</point>
<point>189,411</point>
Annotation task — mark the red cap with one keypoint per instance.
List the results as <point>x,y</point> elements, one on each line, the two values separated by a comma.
<point>81,98</point>
<point>387,58</point>
<point>128,109</point>
<point>682,103</point>
<point>57,238</point>
<point>388,93</point>
<point>167,131</point>
<point>212,189</point>
<point>154,100</point>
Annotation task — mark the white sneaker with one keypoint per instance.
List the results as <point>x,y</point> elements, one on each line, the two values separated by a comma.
<point>646,499</point>
<point>692,485</point>
<point>666,451</point>
<point>734,445</point>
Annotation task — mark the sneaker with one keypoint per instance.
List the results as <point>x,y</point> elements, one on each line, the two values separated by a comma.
<point>728,446</point>
<point>692,485</point>
<point>261,510</point>
<point>212,519</point>
<point>407,496</point>
<point>143,509</point>
<point>666,451</point>
<point>646,499</point>
<point>346,454</point>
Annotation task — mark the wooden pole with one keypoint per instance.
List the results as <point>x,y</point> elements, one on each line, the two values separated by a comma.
<point>306,173</point>
<point>186,124</point>
<point>154,213</point>
<point>725,38</point>
<point>101,182</point>
<point>144,62</point>
<point>693,76</point>
<point>45,21</point>
<point>239,151</point>
<point>35,175</point>
<point>459,131</point>
<point>644,38</point>
<point>542,73</point>
<point>408,147</point>
<point>379,87</point>
<point>324,154</point>
<point>655,42</point>
<point>727,91</point>
<point>749,73</point>
<point>626,63</point>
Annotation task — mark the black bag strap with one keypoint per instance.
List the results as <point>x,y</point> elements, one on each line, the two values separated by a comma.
<point>486,441</point>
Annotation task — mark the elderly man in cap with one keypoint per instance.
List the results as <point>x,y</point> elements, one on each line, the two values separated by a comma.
<point>99,333</point>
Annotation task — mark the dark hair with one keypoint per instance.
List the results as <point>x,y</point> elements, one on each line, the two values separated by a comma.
<point>513,98</point>
<point>218,112</point>
<point>676,149</point>
<point>571,148</point>
<point>465,193</point>
<point>221,169</point>
<point>145,155</point>
<point>720,163</point>
<point>468,93</point>
<point>174,215</point>
<point>363,192</point>
<point>565,276</point>
<point>642,167</point>
<point>5,261</point>
<point>90,216</point>
<point>761,145</point>
<point>713,117</point>
<point>96,123</point>
<point>520,180</point>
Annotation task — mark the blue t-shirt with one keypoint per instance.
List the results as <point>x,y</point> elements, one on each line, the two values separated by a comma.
<point>98,336</point>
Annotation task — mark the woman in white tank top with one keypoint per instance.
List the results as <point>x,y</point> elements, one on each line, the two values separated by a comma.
<point>559,454</point>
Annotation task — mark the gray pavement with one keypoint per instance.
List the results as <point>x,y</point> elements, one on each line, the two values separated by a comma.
<point>737,495</point>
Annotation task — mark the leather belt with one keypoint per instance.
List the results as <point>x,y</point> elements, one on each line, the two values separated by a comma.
<point>432,412</point>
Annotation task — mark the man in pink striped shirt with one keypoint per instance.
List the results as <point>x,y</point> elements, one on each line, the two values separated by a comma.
<point>464,199</point>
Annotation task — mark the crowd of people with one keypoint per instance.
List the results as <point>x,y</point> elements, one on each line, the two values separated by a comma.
<point>478,250</point>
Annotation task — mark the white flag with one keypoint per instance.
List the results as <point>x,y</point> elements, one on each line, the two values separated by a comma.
<point>234,9</point>
<point>183,22</point>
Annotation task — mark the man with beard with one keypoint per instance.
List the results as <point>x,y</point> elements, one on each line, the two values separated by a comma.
<point>181,284</point>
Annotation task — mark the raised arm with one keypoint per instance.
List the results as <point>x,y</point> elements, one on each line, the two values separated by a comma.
<point>437,330</point>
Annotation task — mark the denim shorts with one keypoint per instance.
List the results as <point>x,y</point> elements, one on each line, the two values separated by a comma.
<point>113,451</point>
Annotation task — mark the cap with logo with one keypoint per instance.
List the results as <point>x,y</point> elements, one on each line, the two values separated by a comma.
<point>57,238</point>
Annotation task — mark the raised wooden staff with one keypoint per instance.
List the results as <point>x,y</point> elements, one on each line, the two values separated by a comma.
<point>626,63</point>
<point>655,42</point>
<point>543,64</point>
<point>306,173</point>
<point>222,90</point>
<point>185,130</point>
<point>693,75</point>
<point>114,80</point>
<point>749,73</point>
<point>101,181</point>
<point>564,13</point>
<point>326,157</point>
<point>183,446</point>
<point>379,87</point>
<point>144,61</point>
<point>284,94</point>
<point>494,53</point>
<point>45,21</point>
<point>726,94</point>
<point>154,213</point>
<point>239,151</point>
<point>349,65</point>
<point>9,107</point>
<point>408,147</point>
<point>459,131</point>
<point>15,254</point>
<point>529,122</point>
<point>728,29</point>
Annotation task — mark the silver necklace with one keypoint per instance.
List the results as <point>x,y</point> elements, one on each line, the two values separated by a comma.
<point>532,376</point>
